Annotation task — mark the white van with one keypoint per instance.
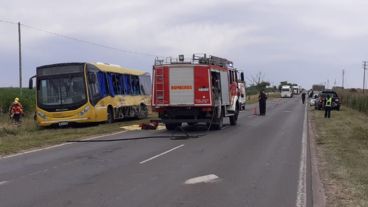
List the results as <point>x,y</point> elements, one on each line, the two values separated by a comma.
<point>286,91</point>
<point>296,90</point>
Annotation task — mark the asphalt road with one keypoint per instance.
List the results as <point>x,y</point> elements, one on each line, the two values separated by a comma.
<point>256,163</point>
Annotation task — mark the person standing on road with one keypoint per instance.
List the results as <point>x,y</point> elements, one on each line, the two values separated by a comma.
<point>328,106</point>
<point>262,103</point>
<point>303,97</point>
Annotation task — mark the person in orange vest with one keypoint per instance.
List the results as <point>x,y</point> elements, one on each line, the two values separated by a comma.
<point>16,111</point>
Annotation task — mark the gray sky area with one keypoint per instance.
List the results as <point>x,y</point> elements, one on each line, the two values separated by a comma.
<point>301,41</point>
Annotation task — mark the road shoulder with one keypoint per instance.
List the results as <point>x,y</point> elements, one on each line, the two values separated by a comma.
<point>319,197</point>
<point>342,149</point>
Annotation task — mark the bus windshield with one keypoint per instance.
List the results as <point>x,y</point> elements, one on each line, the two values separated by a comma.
<point>62,92</point>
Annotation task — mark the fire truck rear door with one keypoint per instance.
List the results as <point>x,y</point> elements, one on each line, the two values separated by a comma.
<point>181,85</point>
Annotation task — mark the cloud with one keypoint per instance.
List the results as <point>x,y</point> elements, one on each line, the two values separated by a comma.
<point>286,39</point>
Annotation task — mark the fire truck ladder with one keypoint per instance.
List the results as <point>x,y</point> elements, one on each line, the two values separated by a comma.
<point>160,86</point>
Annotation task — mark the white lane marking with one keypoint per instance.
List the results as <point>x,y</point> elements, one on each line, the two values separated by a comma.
<point>301,200</point>
<point>3,182</point>
<point>156,156</point>
<point>202,179</point>
<point>59,145</point>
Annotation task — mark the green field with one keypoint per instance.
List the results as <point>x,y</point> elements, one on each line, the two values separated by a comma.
<point>342,142</point>
<point>27,98</point>
<point>354,99</point>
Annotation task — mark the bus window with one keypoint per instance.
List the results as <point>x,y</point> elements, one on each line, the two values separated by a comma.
<point>121,82</point>
<point>102,83</point>
<point>116,84</point>
<point>127,85</point>
<point>93,85</point>
<point>110,84</point>
<point>135,85</point>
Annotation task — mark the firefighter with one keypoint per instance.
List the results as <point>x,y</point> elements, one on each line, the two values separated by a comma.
<point>303,97</point>
<point>328,106</point>
<point>262,103</point>
<point>16,111</point>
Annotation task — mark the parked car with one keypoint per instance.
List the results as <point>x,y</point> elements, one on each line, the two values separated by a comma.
<point>312,100</point>
<point>320,101</point>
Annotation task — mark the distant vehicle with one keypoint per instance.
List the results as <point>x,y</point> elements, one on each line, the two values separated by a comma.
<point>296,89</point>
<point>70,93</point>
<point>200,89</point>
<point>318,87</point>
<point>320,101</point>
<point>312,100</point>
<point>286,91</point>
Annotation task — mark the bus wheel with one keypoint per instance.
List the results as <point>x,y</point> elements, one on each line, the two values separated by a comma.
<point>110,115</point>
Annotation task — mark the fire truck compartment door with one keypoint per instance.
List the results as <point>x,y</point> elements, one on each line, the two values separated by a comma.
<point>181,86</point>
<point>225,88</point>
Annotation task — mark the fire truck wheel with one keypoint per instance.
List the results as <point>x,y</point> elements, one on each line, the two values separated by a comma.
<point>234,118</point>
<point>172,126</point>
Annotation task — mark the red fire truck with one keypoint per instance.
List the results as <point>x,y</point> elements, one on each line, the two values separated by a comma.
<point>200,89</point>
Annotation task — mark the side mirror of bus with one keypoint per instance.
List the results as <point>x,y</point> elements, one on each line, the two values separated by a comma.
<point>30,84</point>
<point>242,76</point>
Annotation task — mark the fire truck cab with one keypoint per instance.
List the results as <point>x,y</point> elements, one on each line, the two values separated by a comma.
<point>200,89</point>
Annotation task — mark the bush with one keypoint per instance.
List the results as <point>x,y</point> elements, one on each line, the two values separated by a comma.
<point>27,98</point>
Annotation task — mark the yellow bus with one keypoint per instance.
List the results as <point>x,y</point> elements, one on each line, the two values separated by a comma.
<point>89,92</point>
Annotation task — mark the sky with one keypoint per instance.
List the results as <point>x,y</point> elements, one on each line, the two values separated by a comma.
<point>300,41</point>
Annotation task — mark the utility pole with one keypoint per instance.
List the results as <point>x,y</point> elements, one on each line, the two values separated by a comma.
<point>343,77</point>
<point>364,68</point>
<point>20,58</point>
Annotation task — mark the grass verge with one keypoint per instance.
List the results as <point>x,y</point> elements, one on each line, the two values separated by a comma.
<point>27,136</point>
<point>342,144</point>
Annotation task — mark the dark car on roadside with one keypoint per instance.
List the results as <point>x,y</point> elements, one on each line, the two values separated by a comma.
<point>322,96</point>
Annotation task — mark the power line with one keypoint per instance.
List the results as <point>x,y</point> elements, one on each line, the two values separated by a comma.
<point>7,21</point>
<point>83,41</point>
